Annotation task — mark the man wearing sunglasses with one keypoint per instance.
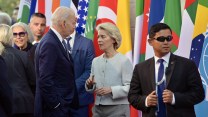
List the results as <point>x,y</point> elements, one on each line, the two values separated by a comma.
<point>165,85</point>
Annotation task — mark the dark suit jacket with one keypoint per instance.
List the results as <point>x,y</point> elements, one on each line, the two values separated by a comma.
<point>21,78</point>
<point>55,78</point>
<point>182,78</point>
<point>5,91</point>
<point>83,54</point>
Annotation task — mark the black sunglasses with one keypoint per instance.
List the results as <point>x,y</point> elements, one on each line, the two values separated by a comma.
<point>21,34</point>
<point>162,38</point>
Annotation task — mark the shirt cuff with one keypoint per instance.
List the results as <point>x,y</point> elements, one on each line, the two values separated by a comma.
<point>57,105</point>
<point>90,90</point>
<point>146,102</point>
<point>173,101</point>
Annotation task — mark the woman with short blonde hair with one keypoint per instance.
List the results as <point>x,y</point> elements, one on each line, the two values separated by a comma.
<point>111,74</point>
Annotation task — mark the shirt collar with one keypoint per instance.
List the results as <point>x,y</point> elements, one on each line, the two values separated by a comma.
<point>165,58</point>
<point>73,36</point>
<point>57,34</point>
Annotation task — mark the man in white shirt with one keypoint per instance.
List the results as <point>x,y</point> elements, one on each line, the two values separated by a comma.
<point>165,85</point>
<point>37,25</point>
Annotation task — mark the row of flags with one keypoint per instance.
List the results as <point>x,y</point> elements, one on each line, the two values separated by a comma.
<point>188,20</point>
<point>90,13</point>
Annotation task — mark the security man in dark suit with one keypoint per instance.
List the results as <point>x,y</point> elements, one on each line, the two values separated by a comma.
<point>165,85</point>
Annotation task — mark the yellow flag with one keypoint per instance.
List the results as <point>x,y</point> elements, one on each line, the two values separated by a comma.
<point>123,23</point>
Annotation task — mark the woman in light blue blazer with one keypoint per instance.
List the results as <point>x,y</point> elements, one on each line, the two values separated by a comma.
<point>111,74</point>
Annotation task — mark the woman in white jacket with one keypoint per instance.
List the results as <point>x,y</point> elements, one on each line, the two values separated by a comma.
<point>111,74</point>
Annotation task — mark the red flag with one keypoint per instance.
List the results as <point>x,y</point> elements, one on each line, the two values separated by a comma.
<point>107,12</point>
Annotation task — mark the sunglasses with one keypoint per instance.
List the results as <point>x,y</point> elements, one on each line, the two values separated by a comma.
<point>21,34</point>
<point>162,38</point>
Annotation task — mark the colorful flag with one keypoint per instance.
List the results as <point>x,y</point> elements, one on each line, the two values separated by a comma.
<point>138,30</point>
<point>32,8</point>
<point>123,23</point>
<point>145,30</point>
<point>199,52</point>
<point>201,108</point>
<point>24,11</point>
<point>91,18</point>
<point>200,28</point>
<point>187,28</point>
<point>107,12</point>
<point>172,17</point>
<point>82,11</point>
<point>157,10</point>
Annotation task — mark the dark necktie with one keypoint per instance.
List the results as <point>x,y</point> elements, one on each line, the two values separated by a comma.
<point>161,112</point>
<point>66,49</point>
<point>68,44</point>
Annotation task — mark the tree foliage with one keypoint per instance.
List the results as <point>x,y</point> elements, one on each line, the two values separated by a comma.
<point>8,5</point>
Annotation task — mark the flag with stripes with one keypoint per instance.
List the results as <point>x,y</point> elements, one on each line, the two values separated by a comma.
<point>138,30</point>
<point>82,11</point>
<point>157,11</point>
<point>24,11</point>
<point>172,17</point>
<point>187,28</point>
<point>144,30</point>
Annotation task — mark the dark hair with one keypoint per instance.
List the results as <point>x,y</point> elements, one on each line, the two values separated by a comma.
<point>157,27</point>
<point>40,15</point>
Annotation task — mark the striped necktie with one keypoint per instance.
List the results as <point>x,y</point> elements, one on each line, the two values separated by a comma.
<point>68,44</point>
<point>66,50</point>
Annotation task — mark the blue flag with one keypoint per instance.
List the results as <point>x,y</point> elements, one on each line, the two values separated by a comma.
<point>201,108</point>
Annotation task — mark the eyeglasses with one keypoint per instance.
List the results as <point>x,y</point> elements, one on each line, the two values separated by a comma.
<point>162,38</point>
<point>21,34</point>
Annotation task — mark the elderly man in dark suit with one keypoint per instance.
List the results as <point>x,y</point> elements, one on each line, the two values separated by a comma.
<point>165,85</point>
<point>56,89</point>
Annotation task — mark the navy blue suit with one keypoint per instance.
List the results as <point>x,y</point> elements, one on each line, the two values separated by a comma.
<point>82,54</point>
<point>56,88</point>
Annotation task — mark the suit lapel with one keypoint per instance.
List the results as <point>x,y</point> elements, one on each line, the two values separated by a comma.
<point>77,42</point>
<point>63,50</point>
<point>152,72</point>
<point>170,68</point>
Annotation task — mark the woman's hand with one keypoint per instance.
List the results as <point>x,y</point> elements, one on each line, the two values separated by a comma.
<point>103,91</point>
<point>90,82</point>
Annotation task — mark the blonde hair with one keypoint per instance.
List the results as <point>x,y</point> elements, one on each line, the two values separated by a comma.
<point>112,31</point>
<point>5,37</point>
<point>24,27</point>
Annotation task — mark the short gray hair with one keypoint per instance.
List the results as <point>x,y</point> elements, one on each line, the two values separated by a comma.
<point>61,14</point>
<point>26,28</point>
<point>112,31</point>
<point>5,37</point>
<point>5,19</point>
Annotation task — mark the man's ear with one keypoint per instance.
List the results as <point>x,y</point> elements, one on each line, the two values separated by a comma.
<point>63,24</point>
<point>150,41</point>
